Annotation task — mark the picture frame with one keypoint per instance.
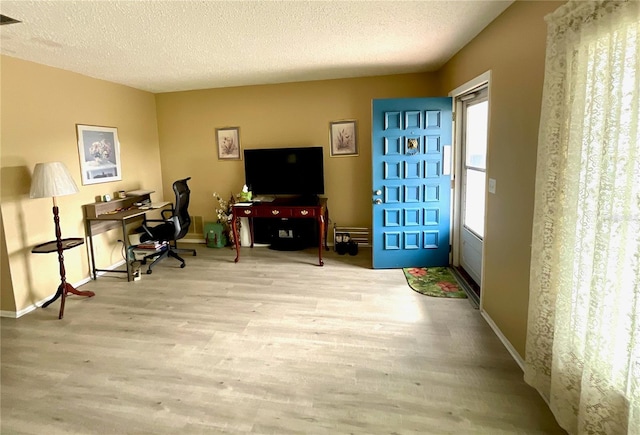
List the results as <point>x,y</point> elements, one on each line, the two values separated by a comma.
<point>343,138</point>
<point>99,152</point>
<point>228,143</point>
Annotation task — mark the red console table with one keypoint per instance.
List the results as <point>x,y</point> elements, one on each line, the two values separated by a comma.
<point>282,208</point>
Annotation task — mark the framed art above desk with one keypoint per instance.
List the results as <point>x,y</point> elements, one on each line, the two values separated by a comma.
<point>99,151</point>
<point>119,213</point>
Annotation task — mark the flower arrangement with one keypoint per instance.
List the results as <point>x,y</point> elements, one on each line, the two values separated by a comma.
<point>223,210</point>
<point>100,150</point>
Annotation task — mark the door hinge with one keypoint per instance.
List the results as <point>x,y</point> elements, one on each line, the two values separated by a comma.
<point>450,248</point>
<point>453,116</point>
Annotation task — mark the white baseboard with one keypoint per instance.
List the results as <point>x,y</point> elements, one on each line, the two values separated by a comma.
<point>204,242</point>
<point>38,304</point>
<point>185,240</point>
<point>514,354</point>
<point>22,312</point>
<point>512,350</point>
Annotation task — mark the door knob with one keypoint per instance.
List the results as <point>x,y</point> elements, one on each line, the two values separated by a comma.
<point>377,201</point>
<point>378,192</point>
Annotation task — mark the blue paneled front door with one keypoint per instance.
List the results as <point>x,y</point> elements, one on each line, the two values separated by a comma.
<point>411,192</point>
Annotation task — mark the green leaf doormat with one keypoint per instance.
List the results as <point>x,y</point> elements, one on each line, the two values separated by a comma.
<point>434,281</point>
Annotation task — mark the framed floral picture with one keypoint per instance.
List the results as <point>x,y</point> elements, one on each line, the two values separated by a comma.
<point>343,138</point>
<point>99,151</point>
<point>228,140</point>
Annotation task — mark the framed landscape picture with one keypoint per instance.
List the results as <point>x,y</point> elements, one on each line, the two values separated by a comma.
<point>228,141</point>
<point>99,151</point>
<point>344,141</point>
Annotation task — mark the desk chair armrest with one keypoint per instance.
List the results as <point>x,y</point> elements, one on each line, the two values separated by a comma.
<point>166,211</point>
<point>156,220</point>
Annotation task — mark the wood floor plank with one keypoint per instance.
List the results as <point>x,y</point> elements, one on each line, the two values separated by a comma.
<point>272,345</point>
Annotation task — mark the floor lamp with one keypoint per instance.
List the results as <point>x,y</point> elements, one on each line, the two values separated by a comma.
<point>51,180</point>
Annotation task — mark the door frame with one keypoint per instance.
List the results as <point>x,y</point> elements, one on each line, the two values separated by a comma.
<point>456,185</point>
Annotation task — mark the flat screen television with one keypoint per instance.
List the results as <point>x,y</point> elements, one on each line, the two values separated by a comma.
<point>284,171</point>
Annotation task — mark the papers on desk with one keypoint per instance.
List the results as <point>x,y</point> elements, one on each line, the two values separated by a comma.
<point>151,244</point>
<point>147,249</point>
<point>153,205</point>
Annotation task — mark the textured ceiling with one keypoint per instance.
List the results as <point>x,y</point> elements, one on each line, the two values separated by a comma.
<point>163,46</point>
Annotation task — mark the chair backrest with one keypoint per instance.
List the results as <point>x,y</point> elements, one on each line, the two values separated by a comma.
<point>181,218</point>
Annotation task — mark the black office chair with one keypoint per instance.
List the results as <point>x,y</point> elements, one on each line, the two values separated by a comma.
<point>175,225</point>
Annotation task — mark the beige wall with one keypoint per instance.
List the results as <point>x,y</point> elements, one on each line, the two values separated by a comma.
<point>40,109</point>
<point>513,48</point>
<point>270,116</point>
<point>7,301</point>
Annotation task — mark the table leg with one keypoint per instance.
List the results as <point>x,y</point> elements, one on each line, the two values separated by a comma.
<point>68,289</point>
<point>93,259</point>
<point>126,257</point>
<point>251,230</point>
<point>326,220</point>
<point>321,238</point>
<point>54,298</point>
<point>71,289</point>
<point>234,228</point>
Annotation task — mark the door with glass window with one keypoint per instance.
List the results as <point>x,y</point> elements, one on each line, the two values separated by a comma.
<point>474,120</point>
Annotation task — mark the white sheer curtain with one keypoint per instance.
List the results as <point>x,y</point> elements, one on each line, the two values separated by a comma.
<point>583,339</point>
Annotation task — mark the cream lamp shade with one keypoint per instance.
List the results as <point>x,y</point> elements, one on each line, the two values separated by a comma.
<point>50,180</point>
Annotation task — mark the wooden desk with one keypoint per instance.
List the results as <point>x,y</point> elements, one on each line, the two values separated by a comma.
<point>118,213</point>
<point>64,287</point>
<point>282,209</point>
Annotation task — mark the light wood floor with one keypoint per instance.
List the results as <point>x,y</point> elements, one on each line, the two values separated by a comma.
<point>272,345</point>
